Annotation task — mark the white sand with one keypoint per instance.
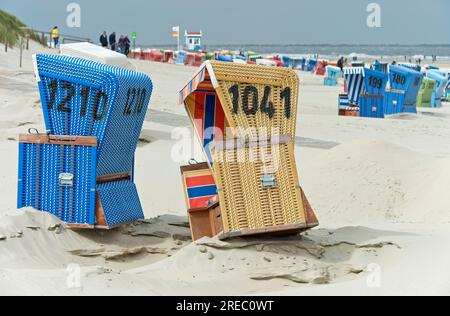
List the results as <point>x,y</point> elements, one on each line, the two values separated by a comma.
<point>379,188</point>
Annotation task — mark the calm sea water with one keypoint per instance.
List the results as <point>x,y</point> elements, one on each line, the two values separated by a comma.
<point>377,51</point>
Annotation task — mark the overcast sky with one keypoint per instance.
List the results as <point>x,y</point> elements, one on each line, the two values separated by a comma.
<point>248,21</point>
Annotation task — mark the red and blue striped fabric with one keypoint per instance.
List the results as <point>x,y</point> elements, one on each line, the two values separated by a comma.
<point>201,189</point>
<point>209,119</point>
<point>205,109</point>
<point>193,84</point>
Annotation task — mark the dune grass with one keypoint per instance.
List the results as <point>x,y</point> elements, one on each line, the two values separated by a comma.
<point>12,29</point>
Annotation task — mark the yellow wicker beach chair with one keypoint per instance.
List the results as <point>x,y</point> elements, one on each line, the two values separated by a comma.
<point>245,117</point>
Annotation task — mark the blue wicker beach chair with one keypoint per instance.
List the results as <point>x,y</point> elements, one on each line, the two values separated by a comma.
<point>287,61</point>
<point>332,76</point>
<point>84,99</point>
<point>371,102</point>
<point>181,57</point>
<point>405,84</point>
<point>441,81</point>
<point>311,64</point>
<point>297,63</point>
<point>366,92</point>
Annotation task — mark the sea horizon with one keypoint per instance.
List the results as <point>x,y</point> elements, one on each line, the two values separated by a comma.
<point>329,50</point>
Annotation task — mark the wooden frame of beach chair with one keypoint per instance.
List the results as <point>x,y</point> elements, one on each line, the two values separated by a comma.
<point>237,102</point>
<point>201,200</point>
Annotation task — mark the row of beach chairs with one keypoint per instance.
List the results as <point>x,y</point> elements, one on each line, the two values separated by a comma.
<point>374,93</point>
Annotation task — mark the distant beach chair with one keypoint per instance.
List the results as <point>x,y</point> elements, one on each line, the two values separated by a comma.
<point>366,93</point>
<point>237,110</point>
<point>354,78</point>
<point>431,67</point>
<point>332,75</point>
<point>383,67</point>
<point>155,55</point>
<point>405,84</point>
<point>190,59</point>
<point>321,68</point>
<point>225,58</point>
<point>168,56</point>
<point>287,61</point>
<point>425,96</point>
<point>411,66</point>
<point>266,62</point>
<point>210,56</point>
<point>296,63</point>
<point>447,89</point>
<point>304,63</point>
<point>311,64</point>
<point>441,81</point>
<point>181,57</point>
<point>372,100</point>
<point>82,170</point>
<point>138,54</point>
<point>254,57</point>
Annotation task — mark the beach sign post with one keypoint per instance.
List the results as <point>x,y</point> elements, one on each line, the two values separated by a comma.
<point>245,118</point>
<point>176,34</point>
<point>82,169</point>
<point>134,37</point>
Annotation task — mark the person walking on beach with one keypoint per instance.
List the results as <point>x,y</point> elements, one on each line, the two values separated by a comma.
<point>55,36</point>
<point>127,45</point>
<point>340,63</point>
<point>104,40</point>
<point>113,41</point>
<point>122,44</point>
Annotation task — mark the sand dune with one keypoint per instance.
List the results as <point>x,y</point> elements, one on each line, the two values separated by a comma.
<point>373,182</point>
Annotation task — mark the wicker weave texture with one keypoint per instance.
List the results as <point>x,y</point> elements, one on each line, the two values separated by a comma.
<point>269,113</point>
<point>40,167</point>
<point>245,202</point>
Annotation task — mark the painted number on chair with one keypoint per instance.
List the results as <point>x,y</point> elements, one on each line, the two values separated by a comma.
<point>251,103</point>
<point>399,79</point>
<point>375,82</point>
<point>135,101</point>
<point>100,100</point>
